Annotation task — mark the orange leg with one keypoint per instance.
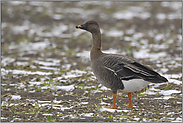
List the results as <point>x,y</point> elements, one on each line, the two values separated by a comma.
<point>114,102</point>
<point>130,100</point>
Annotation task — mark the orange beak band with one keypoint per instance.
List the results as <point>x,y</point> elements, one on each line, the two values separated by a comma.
<point>78,26</point>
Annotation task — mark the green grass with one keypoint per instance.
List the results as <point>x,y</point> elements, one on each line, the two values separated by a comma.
<point>168,88</point>
<point>142,95</point>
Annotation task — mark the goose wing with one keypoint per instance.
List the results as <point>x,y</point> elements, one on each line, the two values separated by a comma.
<point>126,68</point>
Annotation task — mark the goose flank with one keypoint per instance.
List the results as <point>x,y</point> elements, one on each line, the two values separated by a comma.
<point>118,72</point>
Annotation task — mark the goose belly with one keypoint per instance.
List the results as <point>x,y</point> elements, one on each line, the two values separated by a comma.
<point>134,85</point>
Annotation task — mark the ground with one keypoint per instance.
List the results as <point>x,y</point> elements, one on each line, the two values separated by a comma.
<point>45,64</point>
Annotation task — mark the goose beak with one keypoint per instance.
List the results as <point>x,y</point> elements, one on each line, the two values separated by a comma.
<point>83,26</point>
<point>78,26</point>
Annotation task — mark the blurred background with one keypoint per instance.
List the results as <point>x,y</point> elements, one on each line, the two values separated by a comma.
<point>42,51</point>
<point>47,29</point>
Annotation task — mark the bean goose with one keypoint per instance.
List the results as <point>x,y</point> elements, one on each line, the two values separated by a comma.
<point>118,71</point>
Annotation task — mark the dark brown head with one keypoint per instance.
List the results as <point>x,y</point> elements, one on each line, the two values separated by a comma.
<point>91,26</point>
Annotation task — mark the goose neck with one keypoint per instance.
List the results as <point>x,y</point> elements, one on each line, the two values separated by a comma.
<point>96,46</point>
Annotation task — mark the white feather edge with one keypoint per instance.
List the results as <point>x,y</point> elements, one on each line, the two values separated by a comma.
<point>111,70</point>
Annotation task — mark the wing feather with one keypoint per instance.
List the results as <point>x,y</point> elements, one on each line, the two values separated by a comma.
<point>127,68</point>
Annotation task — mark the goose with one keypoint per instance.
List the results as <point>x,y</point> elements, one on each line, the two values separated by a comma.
<point>116,71</point>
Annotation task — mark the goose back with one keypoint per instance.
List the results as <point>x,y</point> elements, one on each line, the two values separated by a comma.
<point>127,68</point>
